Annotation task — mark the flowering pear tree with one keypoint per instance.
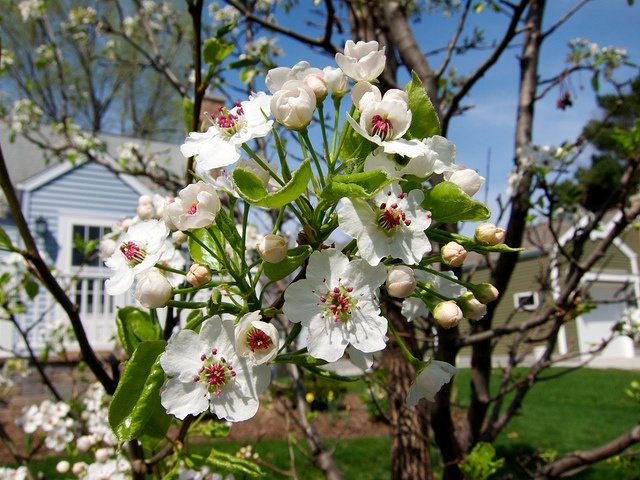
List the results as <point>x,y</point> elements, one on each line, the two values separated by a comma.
<point>352,175</point>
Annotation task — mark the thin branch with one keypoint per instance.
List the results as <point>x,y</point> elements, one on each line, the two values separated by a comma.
<point>564,18</point>
<point>323,42</point>
<point>454,39</point>
<point>509,34</point>
<point>579,459</point>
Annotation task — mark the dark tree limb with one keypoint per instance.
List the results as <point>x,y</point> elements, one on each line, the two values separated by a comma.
<point>577,460</point>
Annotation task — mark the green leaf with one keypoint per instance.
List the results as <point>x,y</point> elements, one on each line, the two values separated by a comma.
<point>295,257</point>
<point>253,191</point>
<point>31,287</point>
<point>135,326</point>
<point>229,231</point>
<point>245,62</point>
<point>138,392</point>
<point>479,7</point>
<point>248,74</point>
<point>202,254</point>
<point>448,203</point>
<point>354,145</point>
<point>595,81</point>
<point>215,50</point>
<point>187,109</point>
<point>5,241</point>
<point>359,185</point>
<point>424,121</point>
<point>229,463</point>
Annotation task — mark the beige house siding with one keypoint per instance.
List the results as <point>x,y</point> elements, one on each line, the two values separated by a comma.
<point>532,275</point>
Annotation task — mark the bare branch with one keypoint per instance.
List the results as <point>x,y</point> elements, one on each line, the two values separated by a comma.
<point>564,18</point>
<point>454,39</point>
<point>578,459</point>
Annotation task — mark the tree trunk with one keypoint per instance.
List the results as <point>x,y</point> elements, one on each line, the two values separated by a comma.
<point>410,456</point>
<point>501,275</point>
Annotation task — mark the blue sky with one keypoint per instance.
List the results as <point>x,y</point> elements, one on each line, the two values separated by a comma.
<point>490,125</point>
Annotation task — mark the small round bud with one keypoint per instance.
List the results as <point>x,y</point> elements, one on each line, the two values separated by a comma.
<point>447,314</point>
<point>453,254</point>
<point>318,84</point>
<point>145,211</point>
<point>179,237</point>
<point>78,468</point>
<point>103,454</point>
<point>198,275</point>
<point>489,234</point>
<point>485,292</point>
<point>84,443</point>
<point>145,200</point>
<point>63,466</point>
<point>272,248</point>
<point>153,290</point>
<point>400,281</point>
<point>471,307</point>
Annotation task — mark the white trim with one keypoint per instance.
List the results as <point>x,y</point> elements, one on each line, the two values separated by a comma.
<point>136,184</point>
<point>47,175</point>
<point>65,240</point>
<point>527,308</point>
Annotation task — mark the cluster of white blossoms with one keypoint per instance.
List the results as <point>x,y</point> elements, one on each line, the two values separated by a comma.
<point>221,362</point>
<point>52,419</point>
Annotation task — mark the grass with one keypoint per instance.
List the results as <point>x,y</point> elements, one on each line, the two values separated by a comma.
<point>575,411</point>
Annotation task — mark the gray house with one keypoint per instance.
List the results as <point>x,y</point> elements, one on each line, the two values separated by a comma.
<point>60,201</point>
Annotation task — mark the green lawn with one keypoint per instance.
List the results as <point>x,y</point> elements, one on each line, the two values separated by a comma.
<point>575,411</point>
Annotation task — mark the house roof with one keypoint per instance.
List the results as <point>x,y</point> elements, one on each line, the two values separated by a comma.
<point>30,168</point>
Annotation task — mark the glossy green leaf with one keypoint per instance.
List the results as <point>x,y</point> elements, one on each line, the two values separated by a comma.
<point>229,231</point>
<point>295,257</point>
<point>354,146</point>
<point>135,326</point>
<point>202,247</point>
<point>215,50</point>
<point>134,401</point>
<point>424,121</point>
<point>253,191</point>
<point>358,185</point>
<point>448,203</point>
<point>228,463</point>
<point>5,241</point>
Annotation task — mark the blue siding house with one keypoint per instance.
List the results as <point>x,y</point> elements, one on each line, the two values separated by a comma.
<point>67,200</point>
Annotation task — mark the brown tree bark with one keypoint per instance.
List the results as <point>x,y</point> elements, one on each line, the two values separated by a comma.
<point>410,456</point>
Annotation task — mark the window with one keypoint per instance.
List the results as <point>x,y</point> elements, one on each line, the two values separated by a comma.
<point>84,236</point>
<point>527,301</point>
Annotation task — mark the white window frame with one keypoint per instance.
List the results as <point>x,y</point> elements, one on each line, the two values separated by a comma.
<point>526,307</point>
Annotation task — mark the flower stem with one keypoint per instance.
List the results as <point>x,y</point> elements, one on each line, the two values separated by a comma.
<point>305,136</point>
<point>403,346</point>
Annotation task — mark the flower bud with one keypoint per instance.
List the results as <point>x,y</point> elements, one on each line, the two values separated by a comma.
<point>272,248</point>
<point>153,290</point>
<point>447,314</point>
<point>488,234</point>
<point>63,466</point>
<point>179,237</point>
<point>485,292</point>
<point>145,200</point>
<point>78,468</point>
<point>400,281</point>
<point>103,454</point>
<point>337,81</point>
<point>198,275</point>
<point>453,254</point>
<point>471,307</point>
<point>293,105</point>
<point>145,211</point>
<point>84,443</point>
<point>317,84</point>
